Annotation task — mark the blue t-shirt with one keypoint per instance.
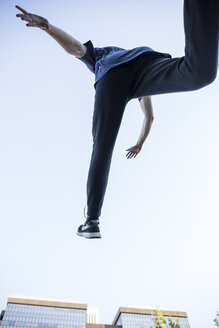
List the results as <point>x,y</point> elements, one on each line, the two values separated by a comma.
<point>101,60</point>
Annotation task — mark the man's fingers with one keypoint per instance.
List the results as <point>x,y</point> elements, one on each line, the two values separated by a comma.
<point>22,10</point>
<point>131,154</point>
<point>31,24</point>
<point>24,17</point>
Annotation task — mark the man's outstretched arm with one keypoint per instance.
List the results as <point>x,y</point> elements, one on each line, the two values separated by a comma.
<point>71,45</point>
<point>146,106</point>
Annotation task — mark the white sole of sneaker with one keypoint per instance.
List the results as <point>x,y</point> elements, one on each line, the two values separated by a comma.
<point>89,235</point>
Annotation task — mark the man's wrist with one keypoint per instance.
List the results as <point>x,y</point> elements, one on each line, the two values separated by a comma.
<point>139,144</point>
<point>46,26</point>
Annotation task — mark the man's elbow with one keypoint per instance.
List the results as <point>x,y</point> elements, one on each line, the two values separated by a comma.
<point>73,51</point>
<point>78,51</point>
<point>150,118</point>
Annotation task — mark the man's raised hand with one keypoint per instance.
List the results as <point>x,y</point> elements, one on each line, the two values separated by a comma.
<point>33,20</point>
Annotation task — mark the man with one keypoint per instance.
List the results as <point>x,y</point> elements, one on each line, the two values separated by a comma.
<point>122,75</point>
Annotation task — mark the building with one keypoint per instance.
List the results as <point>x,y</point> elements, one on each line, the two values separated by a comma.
<point>1,316</point>
<point>92,315</point>
<point>143,318</point>
<point>42,314</point>
<point>32,313</point>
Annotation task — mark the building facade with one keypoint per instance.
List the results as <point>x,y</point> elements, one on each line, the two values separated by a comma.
<point>34,313</point>
<point>43,314</point>
<point>143,318</point>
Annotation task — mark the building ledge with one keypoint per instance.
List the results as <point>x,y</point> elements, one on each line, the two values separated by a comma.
<point>47,303</point>
<point>94,325</point>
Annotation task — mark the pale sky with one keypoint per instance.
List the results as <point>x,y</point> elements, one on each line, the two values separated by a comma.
<point>159,222</point>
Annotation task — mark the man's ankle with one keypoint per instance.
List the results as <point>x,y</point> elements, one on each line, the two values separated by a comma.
<point>93,220</point>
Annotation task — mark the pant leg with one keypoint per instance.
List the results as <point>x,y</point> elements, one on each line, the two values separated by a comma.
<point>110,102</point>
<point>198,67</point>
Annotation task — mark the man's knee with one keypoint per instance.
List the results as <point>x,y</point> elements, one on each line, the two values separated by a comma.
<point>202,78</point>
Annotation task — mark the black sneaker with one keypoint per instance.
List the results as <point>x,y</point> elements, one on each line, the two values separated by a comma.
<point>90,229</point>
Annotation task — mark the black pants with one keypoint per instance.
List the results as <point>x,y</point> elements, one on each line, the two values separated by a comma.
<point>146,75</point>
